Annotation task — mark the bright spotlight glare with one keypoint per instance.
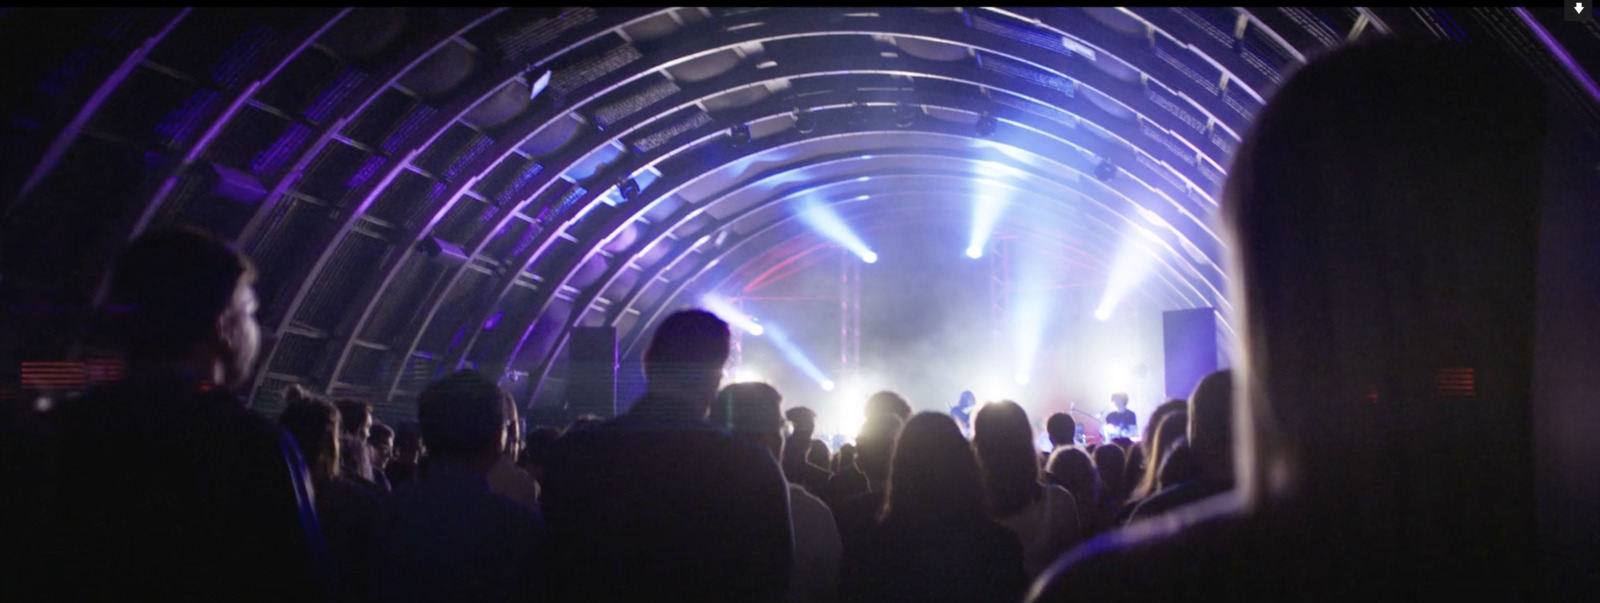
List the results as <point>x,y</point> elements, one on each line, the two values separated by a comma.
<point>974,252</point>
<point>727,312</point>
<point>827,385</point>
<point>744,375</point>
<point>1131,265</point>
<point>988,205</point>
<point>828,223</point>
<point>1022,378</point>
<point>794,355</point>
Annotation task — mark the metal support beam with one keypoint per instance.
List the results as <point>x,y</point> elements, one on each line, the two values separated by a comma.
<point>735,346</point>
<point>849,316</point>
<point>999,287</point>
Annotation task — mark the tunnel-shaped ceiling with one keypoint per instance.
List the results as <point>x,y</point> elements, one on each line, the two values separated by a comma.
<point>429,188</point>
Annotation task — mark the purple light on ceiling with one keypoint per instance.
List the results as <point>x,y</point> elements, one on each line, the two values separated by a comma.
<point>270,161</point>
<point>64,76</point>
<point>330,97</point>
<point>522,180</point>
<point>230,69</point>
<point>477,148</point>
<point>1561,54</point>
<point>493,320</point>
<point>181,121</point>
<point>366,172</point>
<point>412,123</point>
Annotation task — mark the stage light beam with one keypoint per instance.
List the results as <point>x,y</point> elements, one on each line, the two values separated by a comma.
<point>990,199</point>
<point>828,223</point>
<point>732,315</point>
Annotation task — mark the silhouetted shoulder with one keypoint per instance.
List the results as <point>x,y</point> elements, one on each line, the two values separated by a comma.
<point>1191,553</point>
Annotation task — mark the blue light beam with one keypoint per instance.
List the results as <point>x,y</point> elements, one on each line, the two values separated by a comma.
<point>827,223</point>
<point>797,358</point>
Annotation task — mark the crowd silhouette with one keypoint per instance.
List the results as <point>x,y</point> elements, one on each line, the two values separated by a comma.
<point>1381,228</point>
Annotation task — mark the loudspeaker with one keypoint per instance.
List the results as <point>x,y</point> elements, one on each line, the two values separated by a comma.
<point>592,371</point>
<point>1189,338</point>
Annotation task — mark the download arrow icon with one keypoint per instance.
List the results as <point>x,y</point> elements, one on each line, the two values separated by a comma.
<point>1578,7</point>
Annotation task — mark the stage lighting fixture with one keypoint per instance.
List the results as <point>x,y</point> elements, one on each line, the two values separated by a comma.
<point>827,385</point>
<point>628,188</point>
<point>805,122</point>
<point>987,125</point>
<point>905,115</point>
<point>974,252</point>
<point>1103,313</point>
<point>1106,170</point>
<point>539,84</point>
<point>739,135</point>
<point>869,257</point>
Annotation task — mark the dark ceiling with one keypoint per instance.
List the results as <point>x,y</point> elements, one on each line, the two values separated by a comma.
<point>411,208</point>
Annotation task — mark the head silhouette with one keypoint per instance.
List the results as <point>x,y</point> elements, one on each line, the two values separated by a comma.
<point>934,477</point>
<point>1003,438</point>
<point>750,410</point>
<point>1211,424</point>
<point>1340,345</point>
<point>1062,429</point>
<point>875,445</point>
<point>314,425</point>
<point>804,421</point>
<point>1071,468</point>
<point>887,402</point>
<point>180,297</point>
<point>463,418</point>
<point>684,361</point>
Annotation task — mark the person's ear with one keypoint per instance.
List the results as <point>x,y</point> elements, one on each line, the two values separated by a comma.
<point>225,333</point>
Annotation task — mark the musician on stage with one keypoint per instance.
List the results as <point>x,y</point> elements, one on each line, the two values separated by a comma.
<point>1122,422</point>
<point>962,412</point>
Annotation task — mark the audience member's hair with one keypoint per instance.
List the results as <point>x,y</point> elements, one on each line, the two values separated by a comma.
<point>295,394</point>
<point>462,416</point>
<point>1342,341</point>
<point>934,477</point>
<point>355,414</point>
<point>1144,482</point>
<point>803,419</point>
<point>888,402</point>
<point>1177,465</point>
<point>408,438</point>
<point>1004,442</point>
<point>1062,429</point>
<point>585,422</point>
<point>1119,397</point>
<point>819,454</point>
<point>875,445</point>
<point>1109,462</point>
<point>538,444</point>
<point>169,288</point>
<point>1210,435</point>
<point>314,425</point>
<point>1072,469</point>
<point>688,344</point>
<point>381,434</point>
<point>749,407</point>
<point>1173,426</point>
<point>846,457</point>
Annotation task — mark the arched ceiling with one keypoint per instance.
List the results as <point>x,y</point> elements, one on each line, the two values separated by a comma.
<point>411,208</point>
